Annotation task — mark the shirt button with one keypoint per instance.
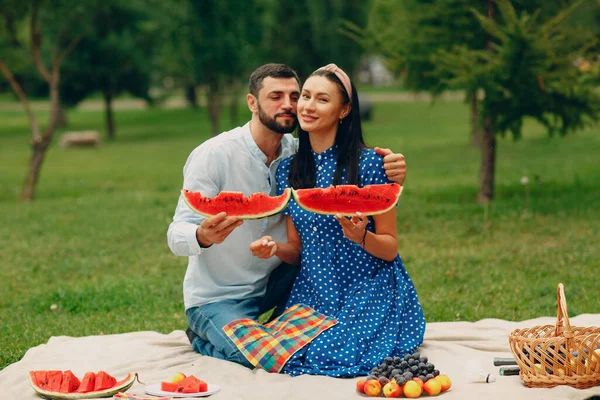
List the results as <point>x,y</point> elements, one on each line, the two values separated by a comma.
<point>319,157</point>
<point>314,228</point>
<point>320,168</point>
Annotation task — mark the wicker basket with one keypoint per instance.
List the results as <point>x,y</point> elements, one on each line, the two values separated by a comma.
<point>558,355</point>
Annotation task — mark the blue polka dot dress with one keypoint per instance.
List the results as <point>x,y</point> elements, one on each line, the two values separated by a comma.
<point>374,301</point>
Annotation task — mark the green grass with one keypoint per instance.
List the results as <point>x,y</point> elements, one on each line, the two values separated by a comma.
<point>94,241</point>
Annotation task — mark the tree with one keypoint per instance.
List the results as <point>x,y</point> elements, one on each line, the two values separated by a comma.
<point>111,59</point>
<point>306,34</point>
<point>64,23</point>
<point>527,71</point>
<point>223,43</point>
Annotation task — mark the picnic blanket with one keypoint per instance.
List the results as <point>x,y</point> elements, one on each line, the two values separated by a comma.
<point>155,356</point>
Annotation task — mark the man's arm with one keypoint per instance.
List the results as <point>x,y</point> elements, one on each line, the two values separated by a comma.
<point>394,165</point>
<point>201,173</point>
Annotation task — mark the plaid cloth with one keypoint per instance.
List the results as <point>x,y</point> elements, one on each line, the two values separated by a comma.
<point>270,346</point>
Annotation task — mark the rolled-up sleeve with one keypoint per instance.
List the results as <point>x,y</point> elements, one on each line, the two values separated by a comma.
<point>200,174</point>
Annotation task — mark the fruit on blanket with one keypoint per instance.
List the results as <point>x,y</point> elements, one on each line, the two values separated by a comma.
<point>65,385</point>
<point>190,384</point>
<point>104,381</point>
<point>412,389</point>
<point>178,377</point>
<point>392,389</point>
<point>235,204</point>
<point>70,382</point>
<point>360,385</point>
<point>419,381</point>
<point>349,199</point>
<point>168,386</point>
<point>372,388</point>
<point>403,369</point>
<point>444,381</point>
<point>432,387</point>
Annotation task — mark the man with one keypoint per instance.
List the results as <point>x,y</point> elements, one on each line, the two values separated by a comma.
<point>223,281</point>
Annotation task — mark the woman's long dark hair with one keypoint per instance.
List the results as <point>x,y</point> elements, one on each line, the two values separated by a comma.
<point>348,139</point>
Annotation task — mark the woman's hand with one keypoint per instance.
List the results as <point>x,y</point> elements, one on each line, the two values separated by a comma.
<point>353,228</point>
<point>264,247</point>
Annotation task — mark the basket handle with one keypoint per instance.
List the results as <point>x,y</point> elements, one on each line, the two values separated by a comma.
<point>563,326</point>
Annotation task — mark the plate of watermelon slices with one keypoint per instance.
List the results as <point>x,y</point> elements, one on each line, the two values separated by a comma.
<point>156,390</point>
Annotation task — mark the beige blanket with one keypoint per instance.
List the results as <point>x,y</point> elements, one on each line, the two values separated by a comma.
<point>449,345</point>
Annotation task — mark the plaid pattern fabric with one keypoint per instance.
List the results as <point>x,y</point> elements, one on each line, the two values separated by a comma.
<point>270,346</point>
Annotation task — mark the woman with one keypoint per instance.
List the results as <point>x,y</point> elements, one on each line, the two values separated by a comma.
<point>349,268</point>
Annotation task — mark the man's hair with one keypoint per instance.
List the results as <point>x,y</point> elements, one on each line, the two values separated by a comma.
<point>272,70</point>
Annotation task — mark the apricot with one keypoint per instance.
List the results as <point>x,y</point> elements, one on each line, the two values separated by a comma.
<point>432,387</point>
<point>445,381</point>
<point>360,385</point>
<point>372,388</point>
<point>412,389</point>
<point>419,381</point>
<point>178,377</point>
<point>392,389</point>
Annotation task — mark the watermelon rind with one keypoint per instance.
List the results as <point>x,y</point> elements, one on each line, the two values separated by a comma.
<point>121,386</point>
<point>348,211</point>
<point>284,199</point>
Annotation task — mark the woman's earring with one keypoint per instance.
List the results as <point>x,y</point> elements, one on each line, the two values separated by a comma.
<point>341,120</point>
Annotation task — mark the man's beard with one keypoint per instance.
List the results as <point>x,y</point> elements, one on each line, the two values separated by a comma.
<point>275,126</point>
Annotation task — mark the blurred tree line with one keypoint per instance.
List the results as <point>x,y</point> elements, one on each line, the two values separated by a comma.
<point>513,59</point>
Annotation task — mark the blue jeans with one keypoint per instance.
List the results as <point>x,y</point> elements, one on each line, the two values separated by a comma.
<point>207,321</point>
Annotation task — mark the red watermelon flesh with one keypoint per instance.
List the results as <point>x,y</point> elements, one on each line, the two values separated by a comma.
<point>39,377</point>
<point>235,204</point>
<point>54,379</point>
<point>349,199</point>
<point>87,384</point>
<point>168,386</point>
<point>70,383</point>
<point>191,384</point>
<point>104,381</point>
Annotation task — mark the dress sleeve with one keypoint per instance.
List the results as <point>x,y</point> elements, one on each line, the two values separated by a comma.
<point>371,168</point>
<point>283,171</point>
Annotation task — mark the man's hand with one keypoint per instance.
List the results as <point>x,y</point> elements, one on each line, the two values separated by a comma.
<point>393,164</point>
<point>264,247</point>
<point>216,229</point>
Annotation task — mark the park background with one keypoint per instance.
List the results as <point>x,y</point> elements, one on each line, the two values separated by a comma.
<point>494,104</point>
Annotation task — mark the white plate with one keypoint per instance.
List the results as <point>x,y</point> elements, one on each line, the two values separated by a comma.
<point>154,390</point>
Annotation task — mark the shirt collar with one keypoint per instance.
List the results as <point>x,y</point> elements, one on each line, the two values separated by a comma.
<point>328,154</point>
<point>253,147</point>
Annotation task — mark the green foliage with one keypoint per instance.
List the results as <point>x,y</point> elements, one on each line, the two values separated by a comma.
<point>223,40</point>
<point>528,71</point>
<point>113,56</point>
<point>94,242</point>
<point>306,34</point>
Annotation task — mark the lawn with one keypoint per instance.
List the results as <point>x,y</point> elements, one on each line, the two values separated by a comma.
<point>89,256</point>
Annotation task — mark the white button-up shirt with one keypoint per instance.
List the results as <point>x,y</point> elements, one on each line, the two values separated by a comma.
<point>230,161</point>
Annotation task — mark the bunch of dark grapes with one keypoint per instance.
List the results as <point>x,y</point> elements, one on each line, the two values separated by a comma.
<point>403,369</point>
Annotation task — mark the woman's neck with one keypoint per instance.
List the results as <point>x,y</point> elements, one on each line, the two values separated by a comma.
<point>319,142</point>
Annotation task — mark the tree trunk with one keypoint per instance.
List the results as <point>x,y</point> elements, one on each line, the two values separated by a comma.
<point>488,141</point>
<point>475,126</point>
<point>38,154</point>
<point>61,118</point>
<point>488,162</point>
<point>108,114</point>
<point>191,96</point>
<point>40,145</point>
<point>214,107</point>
